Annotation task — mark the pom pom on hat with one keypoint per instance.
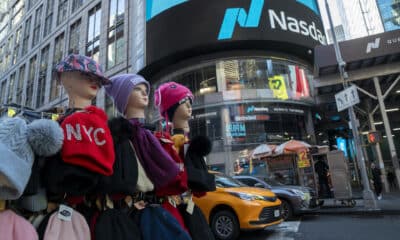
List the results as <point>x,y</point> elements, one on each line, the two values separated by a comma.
<point>45,137</point>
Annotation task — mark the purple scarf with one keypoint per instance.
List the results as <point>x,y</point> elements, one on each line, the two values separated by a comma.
<point>158,164</point>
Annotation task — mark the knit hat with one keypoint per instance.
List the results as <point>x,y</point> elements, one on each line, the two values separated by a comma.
<point>18,142</point>
<point>83,64</point>
<point>88,142</point>
<point>77,228</point>
<point>121,87</point>
<point>171,94</point>
<point>15,227</point>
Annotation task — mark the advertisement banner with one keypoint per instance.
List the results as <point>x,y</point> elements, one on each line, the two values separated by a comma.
<point>278,87</point>
<point>303,160</point>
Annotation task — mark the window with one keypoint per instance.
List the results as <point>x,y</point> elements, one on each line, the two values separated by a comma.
<point>116,43</point>
<point>17,45</point>
<point>4,27</point>
<point>93,42</point>
<point>49,17</point>
<point>44,59</point>
<point>18,11</point>
<point>74,37</point>
<point>58,54</point>
<point>31,3</point>
<point>25,39</point>
<point>8,50</point>
<point>21,78</point>
<point>62,11</point>
<point>3,91</point>
<point>76,4</point>
<point>11,88</point>
<point>36,27</point>
<point>31,82</point>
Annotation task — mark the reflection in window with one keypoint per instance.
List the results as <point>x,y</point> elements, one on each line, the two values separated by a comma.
<point>18,11</point>
<point>58,54</point>
<point>62,11</point>
<point>76,4</point>
<point>4,19</point>
<point>116,42</point>
<point>17,45</point>
<point>44,59</point>
<point>21,78</point>
<point>3,91</point>
<point>49,17</point>
<point>36,27</point>
<point>30,82</point>
<point>25,39</point>
<point>11,88</point>
<point>93,37</point>
<point>74,37</point>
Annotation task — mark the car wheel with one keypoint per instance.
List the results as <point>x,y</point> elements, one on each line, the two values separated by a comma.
<point>287,210</point>
<point>225,225</point>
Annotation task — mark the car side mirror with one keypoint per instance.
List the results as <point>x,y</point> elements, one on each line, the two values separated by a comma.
<point>259,185</point>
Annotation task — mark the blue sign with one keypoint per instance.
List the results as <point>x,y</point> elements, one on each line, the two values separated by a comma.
<point>236,129</point>
<point>155,7</point>
<point>342,145</point>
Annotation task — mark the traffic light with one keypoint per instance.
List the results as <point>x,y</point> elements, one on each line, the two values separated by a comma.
<point>374,137</point>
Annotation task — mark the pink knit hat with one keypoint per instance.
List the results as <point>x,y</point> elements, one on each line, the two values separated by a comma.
<point>76,229</point>
<point>169,94</point>
<point>15,227</point>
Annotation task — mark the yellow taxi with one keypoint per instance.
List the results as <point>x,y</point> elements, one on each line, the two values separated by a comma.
<point>234,207</point>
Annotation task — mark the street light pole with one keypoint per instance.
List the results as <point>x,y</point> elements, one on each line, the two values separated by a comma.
<point>368,196</point>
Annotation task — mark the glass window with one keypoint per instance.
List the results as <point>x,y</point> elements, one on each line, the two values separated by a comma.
<point>36,27</point>
<point>31,3</point>
<point>11,88</point>
<point>8,51</point>
<point>49,17</point>
<point>4,27</point>
<point>93,37</point>
<point>58,55</point>
<point>20,86</point>
<point>116,42</point>
<point>62,11</point>
<point>18,11</point>
<point>31,82</point>
<point>74,37</point>
<point>17,45</point>
<point>25,39</point>
<point>44,59</point>
<point>76,4</point>
<point>3,91</point>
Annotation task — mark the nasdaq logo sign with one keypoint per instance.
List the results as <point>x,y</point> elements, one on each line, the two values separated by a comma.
<point>277,20</point>
<point>155,7</point>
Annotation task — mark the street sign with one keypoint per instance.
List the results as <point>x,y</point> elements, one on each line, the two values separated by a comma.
<point>347,98</point>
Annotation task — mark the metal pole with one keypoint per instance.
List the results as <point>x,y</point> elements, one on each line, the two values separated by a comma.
<point>379,154</point>
<point>368,195</point>
<point>388,131</point>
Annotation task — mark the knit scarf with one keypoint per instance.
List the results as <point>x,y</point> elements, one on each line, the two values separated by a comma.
<point>158,164</point>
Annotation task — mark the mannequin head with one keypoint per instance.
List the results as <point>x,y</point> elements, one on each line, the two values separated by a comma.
<point>81,77</point>
<point>174,102</point>
<point>130,93</point>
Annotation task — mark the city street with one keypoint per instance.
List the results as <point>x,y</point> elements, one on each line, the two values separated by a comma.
<point>332,227</point>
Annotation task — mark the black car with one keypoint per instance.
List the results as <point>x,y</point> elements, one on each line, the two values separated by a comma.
<point>295,199</point>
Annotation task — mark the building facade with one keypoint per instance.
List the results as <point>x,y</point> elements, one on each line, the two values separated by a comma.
<point>358,18</point>
<point>248,63</point>
<point>390,13</point>
<point>36,34</point>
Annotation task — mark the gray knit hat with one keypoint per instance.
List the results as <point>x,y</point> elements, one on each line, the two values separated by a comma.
<point>18,144</point>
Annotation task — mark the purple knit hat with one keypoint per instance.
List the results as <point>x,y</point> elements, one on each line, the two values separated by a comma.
<point>121,87</point>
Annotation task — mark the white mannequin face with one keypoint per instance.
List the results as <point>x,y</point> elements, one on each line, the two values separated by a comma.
<point>79,85</point>
<point>183,112</point>
<point>138,98</point>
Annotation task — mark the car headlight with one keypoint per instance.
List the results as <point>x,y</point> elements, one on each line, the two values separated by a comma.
<point>246,196</point>
<point>299,193</point>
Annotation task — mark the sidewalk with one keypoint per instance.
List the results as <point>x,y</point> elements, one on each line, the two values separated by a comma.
<point>388,205</point>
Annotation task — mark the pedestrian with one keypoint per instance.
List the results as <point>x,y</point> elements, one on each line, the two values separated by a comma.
<point>376,178</point>
<point>322,170</point>
<point>391,178</point>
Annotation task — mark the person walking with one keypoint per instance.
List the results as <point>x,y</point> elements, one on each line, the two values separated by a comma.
<point>376,178</point>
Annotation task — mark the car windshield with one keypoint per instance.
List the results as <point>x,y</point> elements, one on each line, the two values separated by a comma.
<point>273,182</point>
<point>224,181</point>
